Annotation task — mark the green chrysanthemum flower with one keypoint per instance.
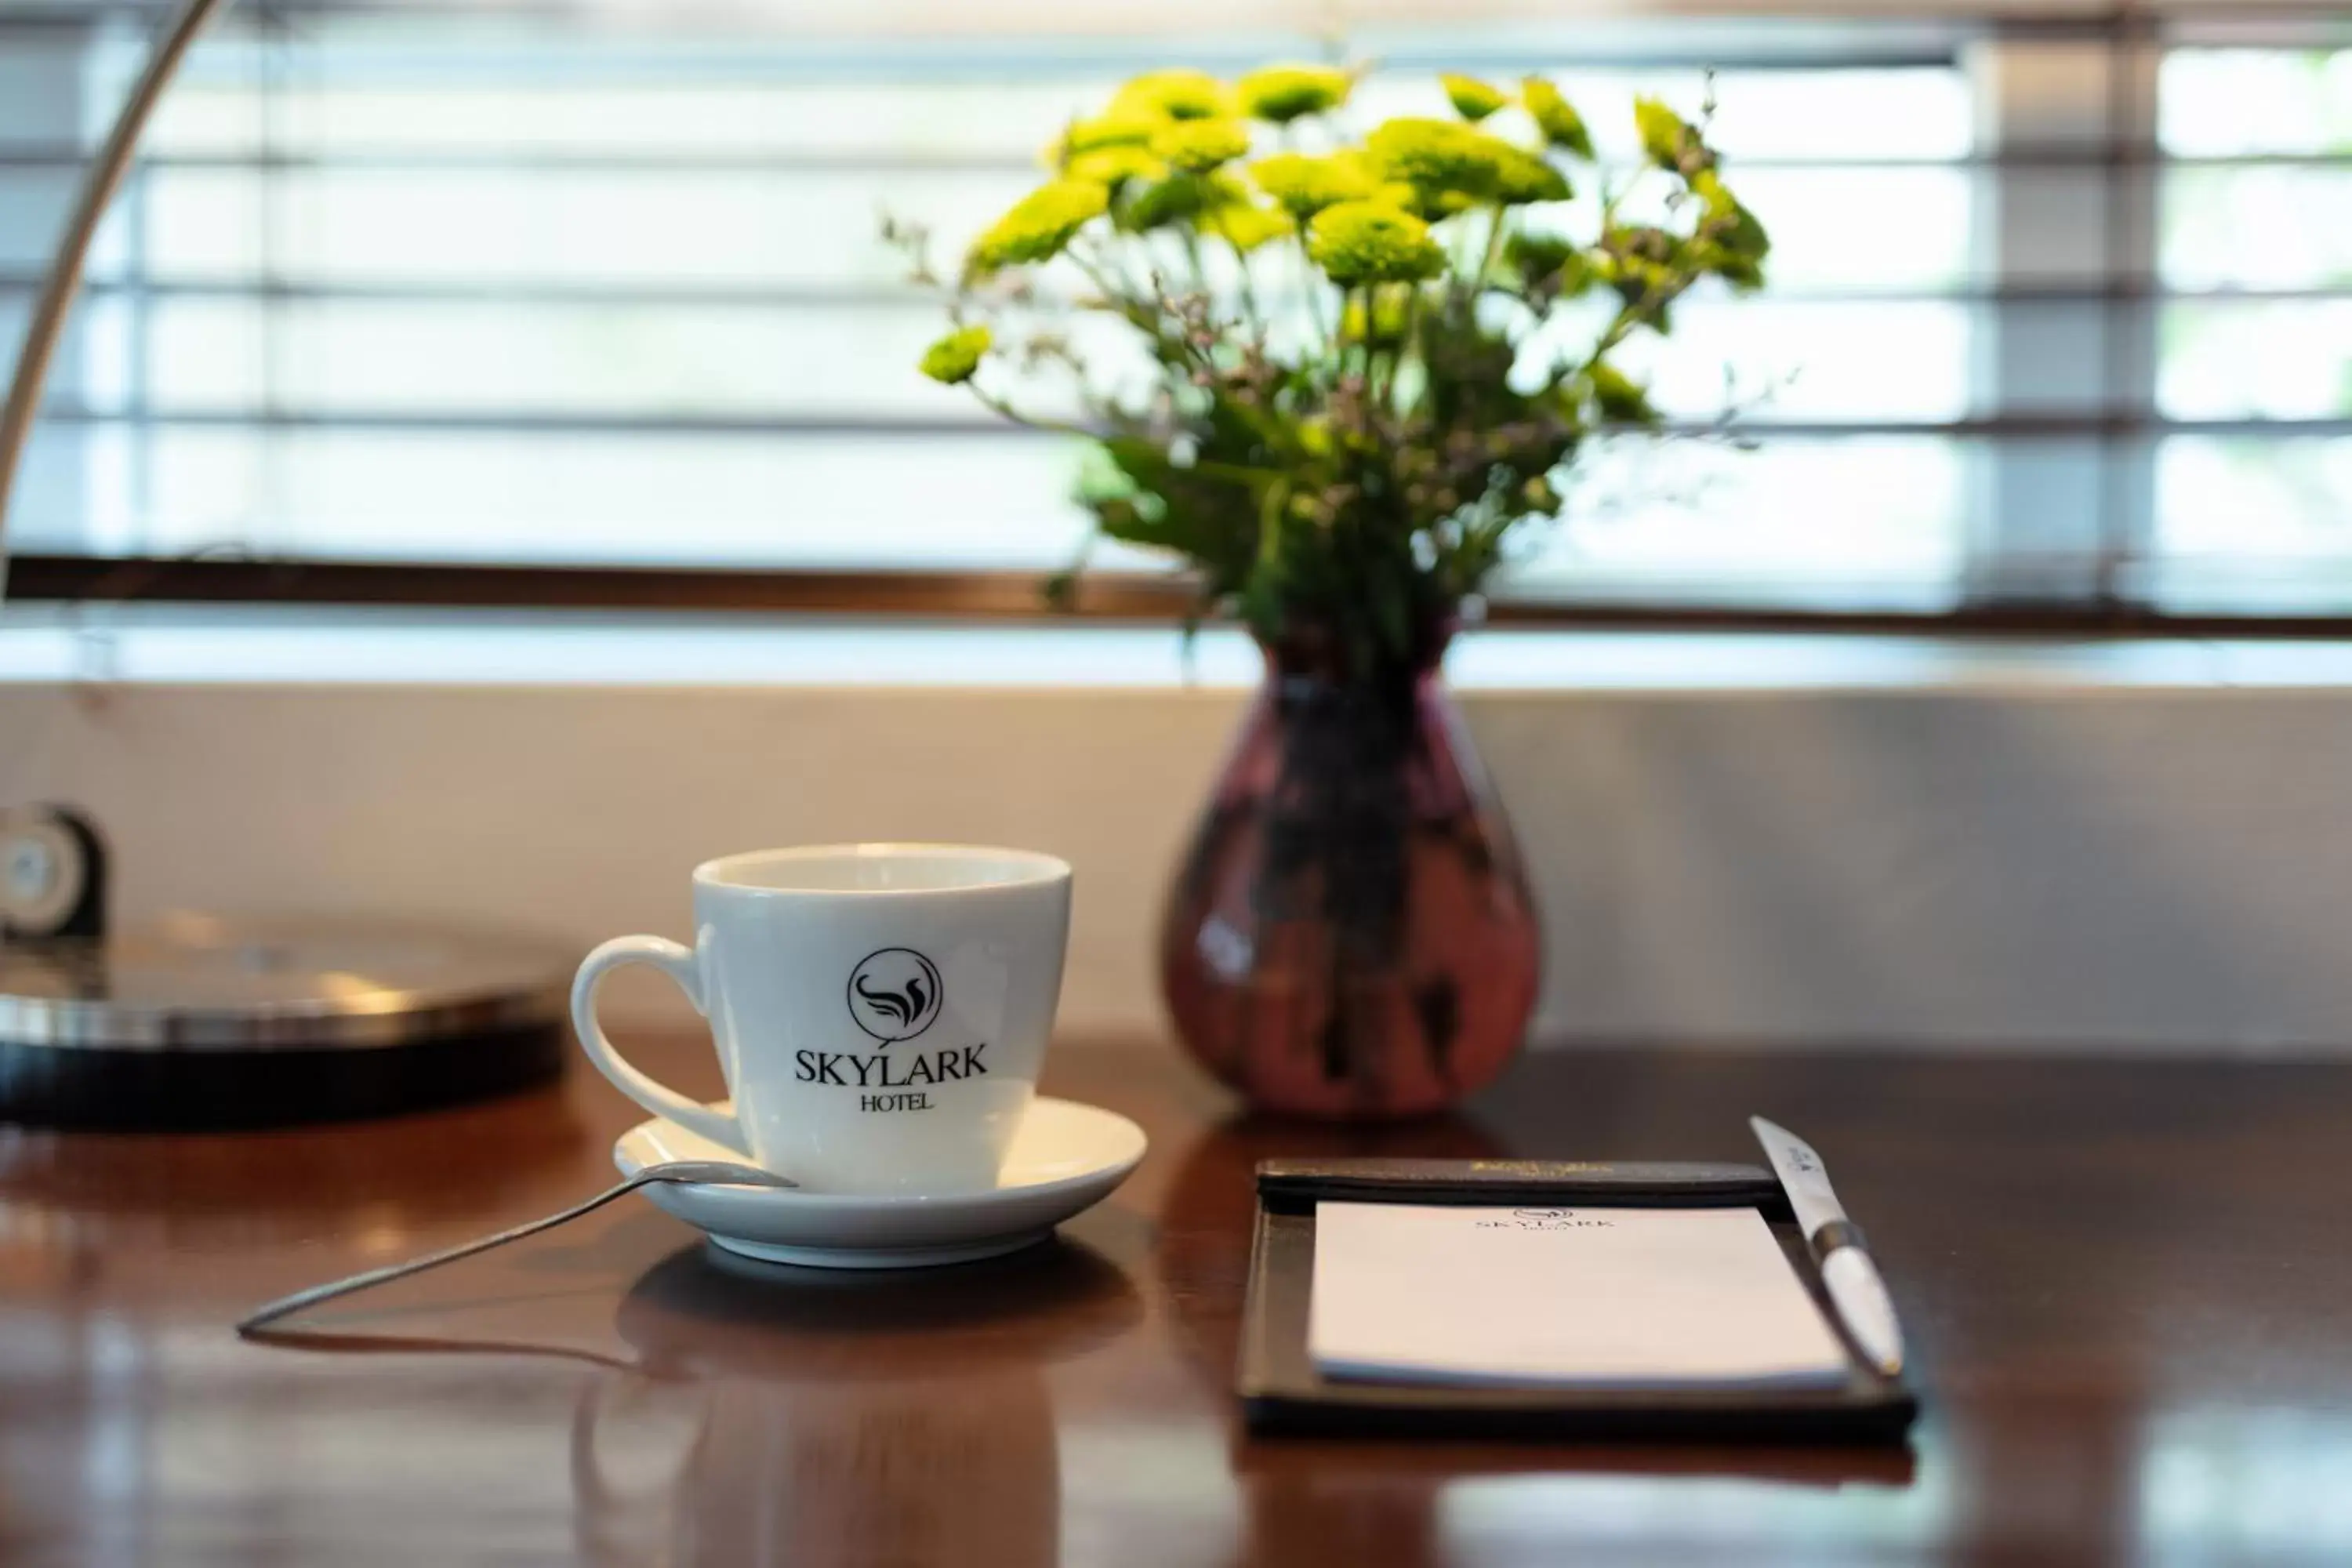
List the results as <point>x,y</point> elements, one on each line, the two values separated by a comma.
<point>1556,117</point>
<point>1177,198</point>
<point>1471,99</point>
<point>1174,94</point>
<point>1197,146</point>
<point>1426,202</point>
<point>1438,155</point>
<point>1526,177</point>
<point>1039,225</point>
<point>1372,242</point>
<point>1246,228</point>
<point>1304,183</point>
<point>1114,166</point>
<point>1109,130</point>
<point>952,360</point>
<point>1284,94</point>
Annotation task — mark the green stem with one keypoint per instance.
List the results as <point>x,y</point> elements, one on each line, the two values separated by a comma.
<point>1131,313</point>
<point>1192,258</point>
<point>1486,261</point>
<point>1310,279</point>
<point>1269,523</point>
<point>1411,343</point>
<point>1365,344</point>
<point>1115,298</point>
<point>997,405</point>
<point>1250,312</point>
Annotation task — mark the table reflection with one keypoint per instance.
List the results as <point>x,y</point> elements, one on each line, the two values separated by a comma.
<point>1341,1501</point>
<point>946,1471</point>
<point>786,1415</point>
<point>361,1184</point>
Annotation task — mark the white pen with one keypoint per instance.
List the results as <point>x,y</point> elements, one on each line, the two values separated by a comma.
<point>1854,1287</point>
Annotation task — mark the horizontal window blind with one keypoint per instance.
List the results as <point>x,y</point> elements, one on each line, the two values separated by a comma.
<point>2254,335</point>
<point>2058,313</point>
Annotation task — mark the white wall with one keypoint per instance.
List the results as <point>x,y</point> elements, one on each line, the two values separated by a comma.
<point>2158,866</point>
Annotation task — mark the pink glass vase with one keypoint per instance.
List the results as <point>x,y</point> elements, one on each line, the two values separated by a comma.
<point>1351,935</point>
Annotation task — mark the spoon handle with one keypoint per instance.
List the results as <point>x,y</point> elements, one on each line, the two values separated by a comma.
<point>287,1305</point>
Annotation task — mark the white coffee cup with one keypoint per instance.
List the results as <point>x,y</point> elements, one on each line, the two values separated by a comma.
<point>880,1010</point>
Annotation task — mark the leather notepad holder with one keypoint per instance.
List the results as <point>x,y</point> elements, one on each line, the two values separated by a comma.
<point>1282,1391</point>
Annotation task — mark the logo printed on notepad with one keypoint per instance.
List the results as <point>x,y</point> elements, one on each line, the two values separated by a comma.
<point>895,994</point>
<point>1547,1219</point>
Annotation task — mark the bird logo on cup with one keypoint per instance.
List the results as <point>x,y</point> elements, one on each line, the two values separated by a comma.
<point>893,995</point>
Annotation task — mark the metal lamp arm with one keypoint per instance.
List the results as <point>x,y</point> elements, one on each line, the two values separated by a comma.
<point>64,279</point>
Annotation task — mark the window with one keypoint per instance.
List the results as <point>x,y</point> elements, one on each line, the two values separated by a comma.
<point>421,288</point>
<point>2254,496</point>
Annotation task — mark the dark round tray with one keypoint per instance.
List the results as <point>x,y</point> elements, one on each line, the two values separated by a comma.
<point>199,1023</point>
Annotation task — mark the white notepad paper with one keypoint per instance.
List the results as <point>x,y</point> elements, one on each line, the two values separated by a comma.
<point>1603,1298</point>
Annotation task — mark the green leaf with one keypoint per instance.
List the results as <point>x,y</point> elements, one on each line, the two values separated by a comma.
<point>1667,138</point>
<point>1471,99</point>
<point>1145,462</point>
<point>1743,235</point>
<point>1260,601</point>
<point>1556,117</point>
<point>1620,398</point>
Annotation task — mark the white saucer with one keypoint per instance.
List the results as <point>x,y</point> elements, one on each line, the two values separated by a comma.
<point>1066,1158</point>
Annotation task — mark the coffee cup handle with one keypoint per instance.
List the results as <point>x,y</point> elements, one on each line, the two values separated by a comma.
<point>681,964</point>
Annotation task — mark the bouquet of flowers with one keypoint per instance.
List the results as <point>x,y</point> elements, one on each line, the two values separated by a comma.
<point>1366,358</point>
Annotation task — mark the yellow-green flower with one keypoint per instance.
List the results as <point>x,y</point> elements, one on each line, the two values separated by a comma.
<point>1426,202</point>
<point>1039,225</point>
<point>1197,146</point>
<point>1177,198</point>
<point>1174,94</point>
<point>1438,155</point>
<point>1372,242</point>
<point>1304,183</point>
<point>1525,176</point>
<point>1284,94</point>
<point>1556,117</point>
<point>952,360</point>
<point>1471,99</point>
<point>1245,227</point>
<point>1114,166</point>
<point>1109,130</point>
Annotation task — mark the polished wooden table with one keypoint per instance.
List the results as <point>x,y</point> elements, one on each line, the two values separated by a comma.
<point>2129,1286</point>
